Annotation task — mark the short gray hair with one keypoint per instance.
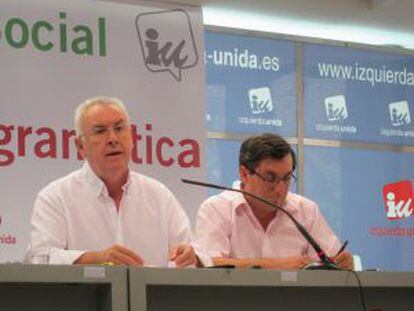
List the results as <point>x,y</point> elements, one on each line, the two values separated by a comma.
<point>100,100</point>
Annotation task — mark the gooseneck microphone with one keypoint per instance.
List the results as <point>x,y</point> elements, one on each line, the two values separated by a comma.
<point>325,263</point>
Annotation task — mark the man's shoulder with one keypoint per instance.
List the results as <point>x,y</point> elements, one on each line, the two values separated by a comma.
<point>224,199</point>
<point>63,182</point>
<point>297,201</point>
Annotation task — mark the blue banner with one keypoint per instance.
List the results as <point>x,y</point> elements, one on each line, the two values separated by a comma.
<point>358,95</point>
<point>251,84</point>
<point>367,198</point>
<point>223,163</point>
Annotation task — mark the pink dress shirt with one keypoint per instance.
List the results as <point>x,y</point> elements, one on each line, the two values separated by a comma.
<point>75,214</point>
<point>227,227</point>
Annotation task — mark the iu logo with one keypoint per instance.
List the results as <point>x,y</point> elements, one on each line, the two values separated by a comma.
<point>260,100</point>
<point>399,113</point>
<point>167,41</point>
<point>398,199</point>
<point>335,108</point>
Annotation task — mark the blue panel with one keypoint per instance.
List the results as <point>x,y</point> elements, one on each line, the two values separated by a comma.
<point>348,185</point>
<point>251,84</point>
<point>358,95</point>
<point>223,162</point>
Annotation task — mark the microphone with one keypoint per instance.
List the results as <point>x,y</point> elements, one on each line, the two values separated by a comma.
<point>325,263</point>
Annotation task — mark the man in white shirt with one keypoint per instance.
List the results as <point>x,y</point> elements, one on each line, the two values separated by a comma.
<point>239,230</point>
<point>104,212</point>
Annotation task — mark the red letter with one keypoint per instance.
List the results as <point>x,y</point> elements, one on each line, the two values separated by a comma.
<point>148,145</point>
<point>50,142</point>
<point>21,140</point>
<point>66,136</point>
<point>135,138</point>
<point>158,151</point>
<point>194,152</point>
<point>7,131</point>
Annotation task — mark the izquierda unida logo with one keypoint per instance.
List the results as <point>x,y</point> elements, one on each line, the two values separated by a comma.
<point>167,42</point>
<point>335,108</point>
<point>398,200</point>
<point>399,113</point>
<point>64,34</point>
<point>260,100</point>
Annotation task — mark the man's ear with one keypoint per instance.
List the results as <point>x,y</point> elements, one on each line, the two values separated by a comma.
<point>80,146</point>
<point>243,173</point>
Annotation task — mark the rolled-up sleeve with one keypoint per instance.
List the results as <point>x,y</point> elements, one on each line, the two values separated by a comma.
<point>212,230</point>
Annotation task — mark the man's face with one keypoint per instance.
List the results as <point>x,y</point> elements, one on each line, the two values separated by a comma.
<point>280,171</point>
<point>106,142</point>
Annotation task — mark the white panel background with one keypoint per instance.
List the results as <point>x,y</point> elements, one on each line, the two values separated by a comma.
<point>43,88</point>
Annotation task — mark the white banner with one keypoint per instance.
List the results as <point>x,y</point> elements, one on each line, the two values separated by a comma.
<point>56,54</point>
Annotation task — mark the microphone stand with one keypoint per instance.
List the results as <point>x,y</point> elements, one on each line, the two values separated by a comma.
<point>325,262</point>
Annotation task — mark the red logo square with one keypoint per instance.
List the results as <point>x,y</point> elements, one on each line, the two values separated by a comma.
<point>398,200</point>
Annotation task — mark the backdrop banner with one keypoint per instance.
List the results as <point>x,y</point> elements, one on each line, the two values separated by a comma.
<point>56,54</point>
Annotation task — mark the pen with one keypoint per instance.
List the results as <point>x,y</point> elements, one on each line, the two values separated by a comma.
<point>342,248</point>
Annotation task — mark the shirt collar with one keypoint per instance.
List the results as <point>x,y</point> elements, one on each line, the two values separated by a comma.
<point>239,200</point>
<point>98,186</point>
<point>125,187</point>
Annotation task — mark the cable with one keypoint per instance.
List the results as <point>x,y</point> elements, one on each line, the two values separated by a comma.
<point>361,289</point>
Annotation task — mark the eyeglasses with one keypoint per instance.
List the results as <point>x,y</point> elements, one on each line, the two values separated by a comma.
<point>273,178</point>
<point>103,132</point>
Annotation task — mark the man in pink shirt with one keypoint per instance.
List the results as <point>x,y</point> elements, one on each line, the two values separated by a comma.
<point>239,230</point>
<point>104,212</point>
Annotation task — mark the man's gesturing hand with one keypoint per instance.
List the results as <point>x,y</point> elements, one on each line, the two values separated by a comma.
<point>116,254</point>
<point>183,256</point>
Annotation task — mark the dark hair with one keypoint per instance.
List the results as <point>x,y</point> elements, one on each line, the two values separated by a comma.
<point>265,146</point>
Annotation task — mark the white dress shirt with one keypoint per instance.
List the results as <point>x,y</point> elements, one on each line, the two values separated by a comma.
<point>227,227</point>
<point>75,214</point>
